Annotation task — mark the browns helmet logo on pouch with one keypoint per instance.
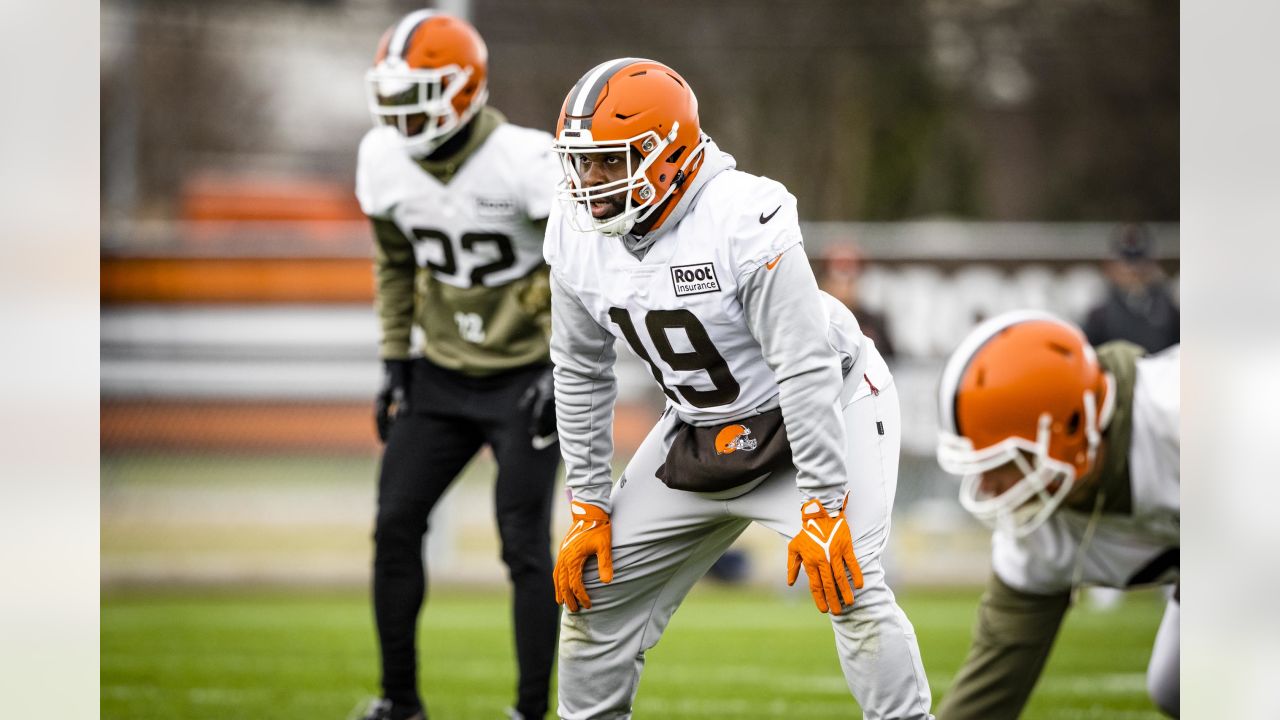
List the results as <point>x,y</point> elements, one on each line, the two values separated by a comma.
<point>733,438</point>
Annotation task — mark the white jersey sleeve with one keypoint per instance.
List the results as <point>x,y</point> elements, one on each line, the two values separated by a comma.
<point>787,315</point>
<point>585,386</point>
<point>540,172</point>
<point>377,189</point>
<point>553,237</point>
<point>767,225</point>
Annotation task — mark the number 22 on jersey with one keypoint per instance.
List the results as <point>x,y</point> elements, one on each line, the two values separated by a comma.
<point>470,242</point>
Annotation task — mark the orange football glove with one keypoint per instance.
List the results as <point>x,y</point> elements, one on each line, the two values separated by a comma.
<point>825,547</point>
<point>590,534</point>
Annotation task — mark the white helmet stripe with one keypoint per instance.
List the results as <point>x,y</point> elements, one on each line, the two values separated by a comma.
<point>963,354</point>
<point>404,30</point>
<point>587,91</point>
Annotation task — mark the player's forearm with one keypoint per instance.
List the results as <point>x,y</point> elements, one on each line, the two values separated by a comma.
<point>394,271</point>
<point>586,389</point>
<point>1012,640</point>
<point>815,429</point>
<point>785,314</point>
<point>395,315</point>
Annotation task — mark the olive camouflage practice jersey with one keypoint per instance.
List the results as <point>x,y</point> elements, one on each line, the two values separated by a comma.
<point>459,252</point>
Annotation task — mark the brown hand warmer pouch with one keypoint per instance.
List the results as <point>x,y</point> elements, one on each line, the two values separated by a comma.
<point>724,456</point>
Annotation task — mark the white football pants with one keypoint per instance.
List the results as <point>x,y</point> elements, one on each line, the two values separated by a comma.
<point>1162,671</point>
<point>664,540</point>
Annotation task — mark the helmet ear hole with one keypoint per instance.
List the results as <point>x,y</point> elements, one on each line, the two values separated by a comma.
<point>1073,424</point>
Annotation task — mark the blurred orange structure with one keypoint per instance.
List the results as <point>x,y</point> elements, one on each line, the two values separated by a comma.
<point>211,196</point>
<point>219,256</point>
<point>303,427</point>
<point>236,280</point>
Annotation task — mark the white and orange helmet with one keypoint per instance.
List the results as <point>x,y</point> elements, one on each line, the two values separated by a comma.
<point>1023,388</point>
<point>431,66</point>
<point>623,105</point>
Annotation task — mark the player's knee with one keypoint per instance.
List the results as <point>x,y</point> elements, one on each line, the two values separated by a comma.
<point>525,522</point>
<point>526,558</point>
<point>526,544</point>
<point>399,526</point>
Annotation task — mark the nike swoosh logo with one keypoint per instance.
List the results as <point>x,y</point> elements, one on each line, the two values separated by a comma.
<point>766,218</point>
<point>577,530</point>
<point>816,534</point>
<point>772,263</point>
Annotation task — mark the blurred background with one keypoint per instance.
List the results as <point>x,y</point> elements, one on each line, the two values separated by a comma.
<point>951,161</point>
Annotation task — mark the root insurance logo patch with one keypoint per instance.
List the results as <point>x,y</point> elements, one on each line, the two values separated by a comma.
<point>694,279</point>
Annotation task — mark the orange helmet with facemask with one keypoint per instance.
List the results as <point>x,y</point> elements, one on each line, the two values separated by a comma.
<point>645,110</point>
<point>429,78</point>
<point>1023,388</point>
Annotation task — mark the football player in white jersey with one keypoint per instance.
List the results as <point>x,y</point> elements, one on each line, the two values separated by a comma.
<point>778,410</point>
<point>1071,455</point>
<point>458,198</point>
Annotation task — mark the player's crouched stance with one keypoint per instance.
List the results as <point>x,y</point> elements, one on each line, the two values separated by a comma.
<point>779,411</point>
<point>1071,455</point>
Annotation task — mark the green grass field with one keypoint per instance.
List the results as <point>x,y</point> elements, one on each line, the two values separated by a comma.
<point>728,653</point>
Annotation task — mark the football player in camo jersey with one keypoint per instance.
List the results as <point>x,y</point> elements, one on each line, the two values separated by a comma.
<point>1071,455</point>
<point>458,198</point>
<point>778,410</point>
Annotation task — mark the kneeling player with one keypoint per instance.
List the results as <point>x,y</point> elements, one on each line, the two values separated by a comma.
<point>1071,455</point>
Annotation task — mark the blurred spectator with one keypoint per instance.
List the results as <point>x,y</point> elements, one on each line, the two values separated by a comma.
<point>842,265</point>
<point>1138,306</point>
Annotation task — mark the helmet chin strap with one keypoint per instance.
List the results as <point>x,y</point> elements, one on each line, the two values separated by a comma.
<point>619,226</point>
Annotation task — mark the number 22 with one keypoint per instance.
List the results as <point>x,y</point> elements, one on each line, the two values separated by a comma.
<point>506,255</point>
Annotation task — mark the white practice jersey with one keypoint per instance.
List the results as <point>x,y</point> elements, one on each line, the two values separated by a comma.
<point>476,229</point>
<point>1140,548</point>
<point>725,312</point>
<point>678,308</point>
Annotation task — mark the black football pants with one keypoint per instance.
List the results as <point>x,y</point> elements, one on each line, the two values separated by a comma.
<point>452,416</point>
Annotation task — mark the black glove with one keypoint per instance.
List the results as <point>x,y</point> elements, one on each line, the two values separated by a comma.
<point>393,396</point>
<point>539,405</point>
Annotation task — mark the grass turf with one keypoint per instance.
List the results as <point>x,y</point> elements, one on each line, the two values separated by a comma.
<point>728,653</point>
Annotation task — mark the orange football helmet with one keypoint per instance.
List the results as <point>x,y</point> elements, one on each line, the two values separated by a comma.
<point>733,438</point>
<point>1023,388</point>
<point>429,78</point>
<point>619,106</point>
